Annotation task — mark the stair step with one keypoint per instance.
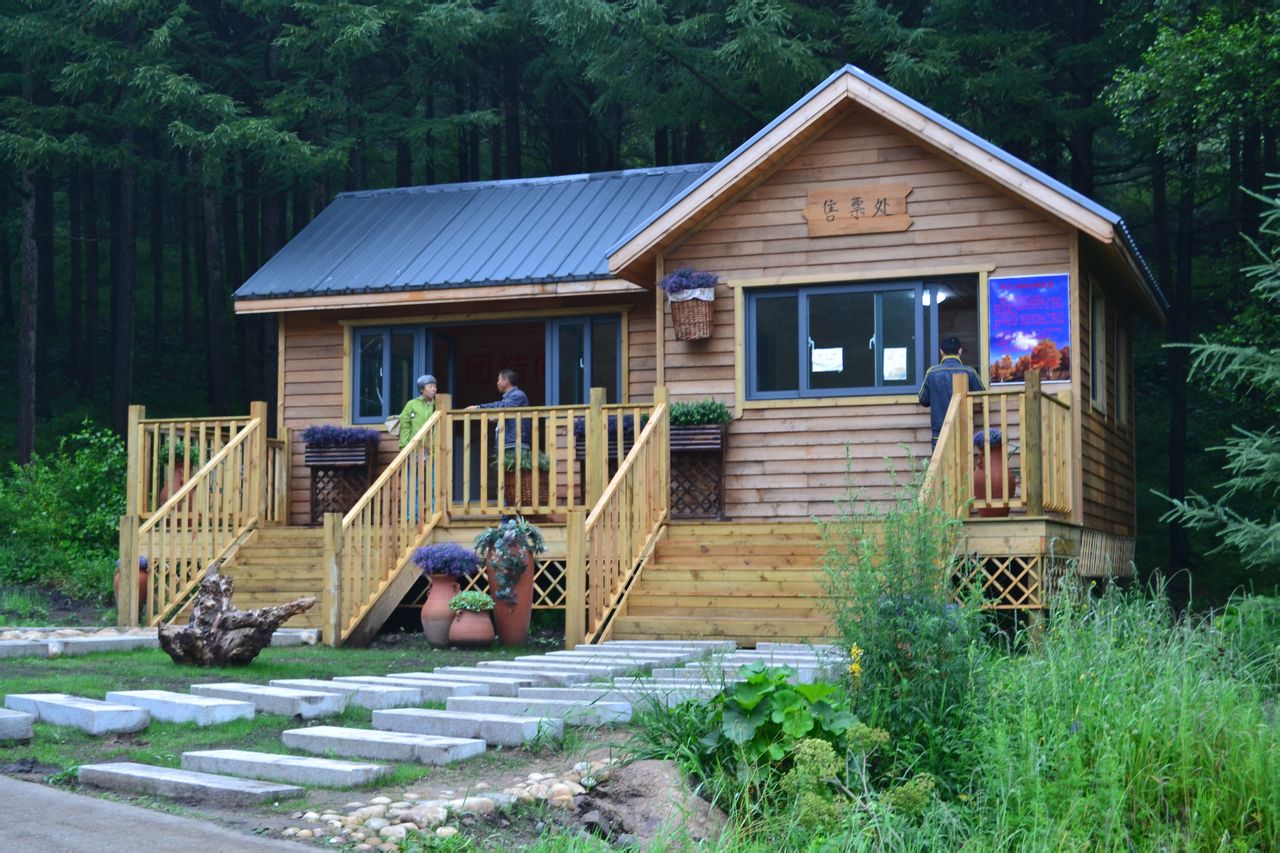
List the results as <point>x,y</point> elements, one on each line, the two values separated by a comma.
<point>381,745</point>
<point>426,691</point>
<point>307,704</point>
<point>667,695</point>
<point>15,725</point>
<point>371,696</point>
<point>574,713</point>
<point>658,584</point>
<point>183,784</point>
<point>295,769</point>
<point>171,707</point>
<point>498,684</point>
<point>92,716</point>
<point>503,729</point>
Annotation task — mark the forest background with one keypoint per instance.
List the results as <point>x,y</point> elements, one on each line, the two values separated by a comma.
<point>154,154</point>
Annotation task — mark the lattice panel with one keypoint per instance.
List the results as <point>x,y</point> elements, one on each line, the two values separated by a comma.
<point>336,490</point>
<point>697,485</point>
<point>1007,582</point>
<point>548,586</point>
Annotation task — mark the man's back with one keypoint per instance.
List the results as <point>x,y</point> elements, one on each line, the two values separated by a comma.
<point>935,391</point>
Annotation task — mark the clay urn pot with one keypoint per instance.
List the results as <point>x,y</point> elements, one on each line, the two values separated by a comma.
<point>470,629</point>
<point>1002,484</point>
<point>437,618</point>
<point>143,576</point>
<point>512,618</point>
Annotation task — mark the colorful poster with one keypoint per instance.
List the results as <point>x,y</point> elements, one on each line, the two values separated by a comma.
<point>1030,327</point>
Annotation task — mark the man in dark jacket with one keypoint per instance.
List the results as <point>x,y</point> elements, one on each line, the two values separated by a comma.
<point>935,392</point>
<point>512,397</point>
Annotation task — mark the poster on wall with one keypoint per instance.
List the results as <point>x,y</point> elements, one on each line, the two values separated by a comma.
<point>1030,327</point>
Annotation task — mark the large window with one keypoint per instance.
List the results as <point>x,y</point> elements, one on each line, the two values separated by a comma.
<point>387,363</point>
<point>840,340</point>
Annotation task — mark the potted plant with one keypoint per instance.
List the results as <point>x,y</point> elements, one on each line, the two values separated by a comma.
<point>446,565</point>
<point>471,624</point>
<point>524,495</point>
<point>509,550</point>
<point>332,446</point>
<point>692,296</point>
<point>143,575</point>
<point>1002,484</point>
<point>699,435</point>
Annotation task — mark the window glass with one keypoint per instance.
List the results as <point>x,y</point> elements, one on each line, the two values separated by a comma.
<point>369,370</point>
<point>402,370</point>
<point>570,388</point>
<point>604,358</point>
<point>842,340</point>
<point>898,328</point>
<point>1098,350</point>
<point>777,343</point>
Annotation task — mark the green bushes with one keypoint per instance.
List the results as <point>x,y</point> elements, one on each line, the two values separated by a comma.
<point>59,515</point>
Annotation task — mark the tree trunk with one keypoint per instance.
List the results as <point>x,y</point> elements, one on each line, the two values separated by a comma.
<point>429,155</point>
<point>27,327</point>
<point>158,186</point>
<point>184,256</point>
<point>202,277</point>
<point>301,206</point>
<point>234,270</point>
<point>661,147</point>
<point>46,319</point>
<point>217,303</point>
<point>88,368</point>
<point>251,206</point>
<point>511,117</point>
<point>125,252</point>
<point>1179,333</point>
<point>76,280</point>
<point>404,163</point>
<point>6,257</point>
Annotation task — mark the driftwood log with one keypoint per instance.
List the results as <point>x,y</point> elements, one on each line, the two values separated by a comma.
<point>219,634</point>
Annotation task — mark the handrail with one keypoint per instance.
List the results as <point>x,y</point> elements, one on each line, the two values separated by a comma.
<point>942,479</point>
<point>163,453</point>
<point>610,550</point>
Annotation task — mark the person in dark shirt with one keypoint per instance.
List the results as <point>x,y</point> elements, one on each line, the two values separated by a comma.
<point>512,397</point>
<point>935,391</point>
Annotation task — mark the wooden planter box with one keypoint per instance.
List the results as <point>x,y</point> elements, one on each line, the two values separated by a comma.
<point>697,470</point>
<point>339,476</point>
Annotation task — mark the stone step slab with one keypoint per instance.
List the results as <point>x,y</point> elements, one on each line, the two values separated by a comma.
<point>502,729</point>
<point>385,746</point>
<point>371,696</point>
<point>635,696</point>
<point>74,646</point>
<point>295,769</point>
<point>574,713</point>
<point>498,684</point>
<point>701,645</point>
<point>172,707</point>
<point>308,704</point>
<point>591,666</point>
<point>15,725</point>
<point>542,674</point>
<point>24,649</point>
<point>730,671</point>
<point>793,647</point>
<point>92,716</point>
<point>183,784</point>
<point>426,691</point>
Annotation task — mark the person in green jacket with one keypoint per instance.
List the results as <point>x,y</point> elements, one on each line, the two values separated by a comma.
<point>413,418</point>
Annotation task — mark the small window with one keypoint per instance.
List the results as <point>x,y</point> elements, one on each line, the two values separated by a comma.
<point>1098,349</point>
<point>1123,366</point>
<point>387,362</point>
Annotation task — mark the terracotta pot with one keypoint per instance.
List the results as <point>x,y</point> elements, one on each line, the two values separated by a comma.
<point>436,615</point>
<point>512,619</point>
<point>143,575</point>
<point>470,629</point>
<point>1002,485</point>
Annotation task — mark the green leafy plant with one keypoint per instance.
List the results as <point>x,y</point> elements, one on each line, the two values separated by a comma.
<point>700,413</point>
<point>526,460</point>
<point>507,548</point>
<point>472,600</point>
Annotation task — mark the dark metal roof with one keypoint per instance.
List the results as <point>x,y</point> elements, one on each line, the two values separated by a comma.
<point>467,235</point>
<point>990,148</point>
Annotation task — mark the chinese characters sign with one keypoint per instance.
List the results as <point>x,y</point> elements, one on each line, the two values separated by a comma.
<point>1030,327</point>
<point>869,209</point>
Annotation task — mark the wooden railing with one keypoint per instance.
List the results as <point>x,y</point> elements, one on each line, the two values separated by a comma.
<point>205,519</point>
<point>608,550</point>
<point>546,466</point>
<point>165,452</point>
<point>368,550</point>
<point>1036,430</point>
<point>275,498</point>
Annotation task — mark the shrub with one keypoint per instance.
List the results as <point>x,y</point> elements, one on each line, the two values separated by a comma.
<point>1250,631</point>
<point>329,435</point>
<point>472,600</point>
<point>447,558</point>
<point>699,412</point>
<point>60,515</point>
<point>887,578</point>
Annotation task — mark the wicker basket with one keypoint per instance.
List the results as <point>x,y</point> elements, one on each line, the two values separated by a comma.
<point>526,488</point>
<point>692,319</point>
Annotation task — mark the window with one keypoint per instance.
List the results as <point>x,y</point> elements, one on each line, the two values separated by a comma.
<point>585,353</point>
<point>1098,348</point>
<point>1123,367</point>
<point>841,340</point>
<point>387,363</point>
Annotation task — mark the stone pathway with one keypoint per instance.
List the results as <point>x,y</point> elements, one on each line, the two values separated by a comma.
<point>59,642</point>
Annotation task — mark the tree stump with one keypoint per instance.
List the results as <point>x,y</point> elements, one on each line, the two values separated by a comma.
<point>219,634</point>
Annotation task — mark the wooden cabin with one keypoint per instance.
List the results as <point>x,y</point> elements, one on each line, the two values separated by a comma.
<point>850,235</point>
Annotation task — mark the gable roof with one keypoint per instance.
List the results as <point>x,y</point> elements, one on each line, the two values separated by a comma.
<point>632,256</point>
<point>466,235</point>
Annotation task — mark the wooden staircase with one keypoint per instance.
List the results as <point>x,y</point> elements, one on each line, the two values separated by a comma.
<point>740,581</point>
<point>276,565</point>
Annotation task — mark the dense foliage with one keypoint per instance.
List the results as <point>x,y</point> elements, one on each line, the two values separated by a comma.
<point>700,412</point>
<point>331,435</point>
<point>447,558</point>
<point>507,547</point>
<point>687,278</point>
<point>471,600</point>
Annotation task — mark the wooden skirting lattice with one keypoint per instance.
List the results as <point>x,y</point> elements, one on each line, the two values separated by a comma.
<point>1106,555</point>
<point>336,490</point>
<point>1012,582</point>
<point>548,586</point>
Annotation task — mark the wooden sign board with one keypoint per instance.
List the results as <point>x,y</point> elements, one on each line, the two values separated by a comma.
<point>867,209</point>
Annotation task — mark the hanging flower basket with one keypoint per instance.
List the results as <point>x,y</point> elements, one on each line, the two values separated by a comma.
<point>692,296</point>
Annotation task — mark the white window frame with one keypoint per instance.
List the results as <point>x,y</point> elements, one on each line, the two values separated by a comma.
<point>1097,347</point>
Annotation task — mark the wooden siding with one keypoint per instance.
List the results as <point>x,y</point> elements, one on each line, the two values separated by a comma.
<point>789,462</point>
<point>1108,475</point>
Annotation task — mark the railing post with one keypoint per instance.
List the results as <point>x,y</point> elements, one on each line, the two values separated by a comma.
<point>127,589</point>
<point>258,460</point>
<point>1032,445</point>
<point>964,437</point>
<point>575,580</point>
<point>661,397</point>
<point>284,486</point>
<point>442,450</point>
<point>597,448</point>
<point>331,601</point>
<point>134,465</point>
